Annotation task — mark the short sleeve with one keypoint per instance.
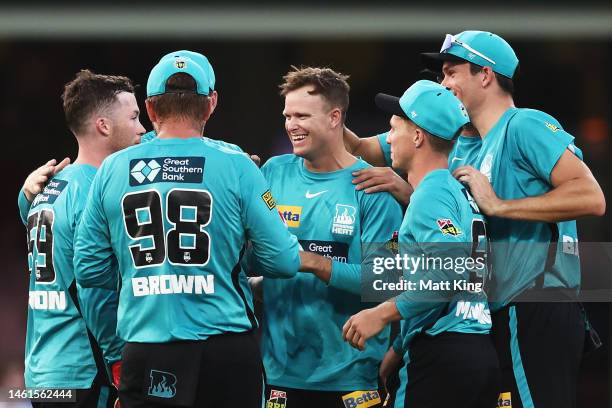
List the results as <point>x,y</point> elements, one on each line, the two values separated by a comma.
<point>538,144</point>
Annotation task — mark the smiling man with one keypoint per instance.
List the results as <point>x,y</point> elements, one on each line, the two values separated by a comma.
<point>307,363</point>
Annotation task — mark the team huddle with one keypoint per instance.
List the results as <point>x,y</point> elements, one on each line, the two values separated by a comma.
<point>148,252</point>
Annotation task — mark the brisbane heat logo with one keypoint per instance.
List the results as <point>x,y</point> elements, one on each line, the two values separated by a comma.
<point>163,384</point>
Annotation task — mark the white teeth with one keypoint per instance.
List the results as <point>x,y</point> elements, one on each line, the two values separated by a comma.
<point>297,138</point>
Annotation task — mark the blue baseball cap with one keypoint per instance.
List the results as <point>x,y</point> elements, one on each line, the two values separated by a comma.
<point>165,68</point>
<point>200,59</point>
<point>478,47</point>
<point>430,106</point>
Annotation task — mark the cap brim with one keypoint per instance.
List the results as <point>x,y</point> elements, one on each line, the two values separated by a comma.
<point>433,60</point>
<point>389,104</point>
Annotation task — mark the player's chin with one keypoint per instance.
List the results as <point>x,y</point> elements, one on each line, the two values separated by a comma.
<point>300,151</point>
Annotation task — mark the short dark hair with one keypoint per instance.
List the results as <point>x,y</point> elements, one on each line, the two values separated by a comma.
<point>180,99</point>
<point>89,93</point>
<point>505,83</point>
<point>440,145</point>
<point>331,85</point>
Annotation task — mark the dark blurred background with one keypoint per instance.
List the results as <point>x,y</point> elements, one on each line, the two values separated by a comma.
<point>565,53</point>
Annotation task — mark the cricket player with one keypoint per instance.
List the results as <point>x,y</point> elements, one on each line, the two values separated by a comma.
<point>71,341</point>
<point>307,363</point>
<point>445,342</point>
<point>176,213</point>
<point>530,181</point>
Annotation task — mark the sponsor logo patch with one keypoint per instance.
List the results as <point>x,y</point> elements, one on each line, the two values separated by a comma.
<point>291,214</point>
<point>552,127</point>
<point>166,169</point>
<point>278,399</point>
<point>344,220</point>
<point>361,399</point>
<point>268,199</point>
<point>163,384</point>
<point>337,251</point>
<point>448,228</point>
<point>504,400</point>
<point>50,193</point>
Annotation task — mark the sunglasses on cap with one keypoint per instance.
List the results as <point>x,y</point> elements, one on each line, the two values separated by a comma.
<point>451,40</point>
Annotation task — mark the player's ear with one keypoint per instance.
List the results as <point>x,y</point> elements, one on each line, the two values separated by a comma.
<point>212,100</point>
<point>335,117</point>
<point>418,137</point>
<point>103,125</point>
<point>150,111</point>
<point>487,77</point>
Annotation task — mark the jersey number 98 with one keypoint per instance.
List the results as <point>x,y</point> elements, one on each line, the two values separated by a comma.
<point>185,243</point>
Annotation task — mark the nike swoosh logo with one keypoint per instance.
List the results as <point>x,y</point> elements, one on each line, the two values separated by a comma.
<point>308,195</point>
<point>457,158</point>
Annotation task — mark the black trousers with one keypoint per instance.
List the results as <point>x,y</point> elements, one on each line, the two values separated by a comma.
<point>540,347</point>
<point>222,371</point>
<point>456,370</point>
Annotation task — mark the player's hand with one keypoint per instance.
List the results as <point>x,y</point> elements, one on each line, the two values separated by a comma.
<point>389,364</point>
<point>36,181</point>
<point>116,372</point>
<point>362,326</point>
<point>255,159</point>
<point>480,188</point>
<point>375,179</point>
<point>256,284</point>
<point>318,265</point>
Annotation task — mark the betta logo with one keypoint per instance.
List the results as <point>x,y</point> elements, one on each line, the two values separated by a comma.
<point>180,64</point>
<point>163,384</point>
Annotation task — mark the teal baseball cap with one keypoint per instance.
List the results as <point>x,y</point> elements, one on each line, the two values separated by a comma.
<point>166,67</point>
<point>481,48</point>
<point>430,106</point>
<point>200,59</point>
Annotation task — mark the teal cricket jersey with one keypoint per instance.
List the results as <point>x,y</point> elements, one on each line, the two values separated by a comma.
<point>176,214</point>
<point>518,155</point>
<point>58,349</point>
<point>442,220</point>
<point>303,317</point>
<point>147,137</point>
<point>465,150</point>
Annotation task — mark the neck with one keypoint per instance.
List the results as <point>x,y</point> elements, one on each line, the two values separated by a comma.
<point>92,150</point>
<point>421,166</point>
<point>488,112</point>
<point>335,157</point>
<point>175,129</point>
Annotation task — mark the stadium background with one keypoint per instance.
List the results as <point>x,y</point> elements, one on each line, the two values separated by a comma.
<point>565,54</point>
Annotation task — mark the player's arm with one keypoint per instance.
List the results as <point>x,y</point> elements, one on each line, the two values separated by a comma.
<point>99,310</point>
<point>378,179</point>
<point>548,153</point>
<point>274,250</point>
<point>34,184</point>
<point>94,262</point>
<point>368,148</point>
<point>433,242</point>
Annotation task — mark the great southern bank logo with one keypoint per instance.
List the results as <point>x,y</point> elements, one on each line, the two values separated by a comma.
<point>184,169</point>
<point>143,170</point>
